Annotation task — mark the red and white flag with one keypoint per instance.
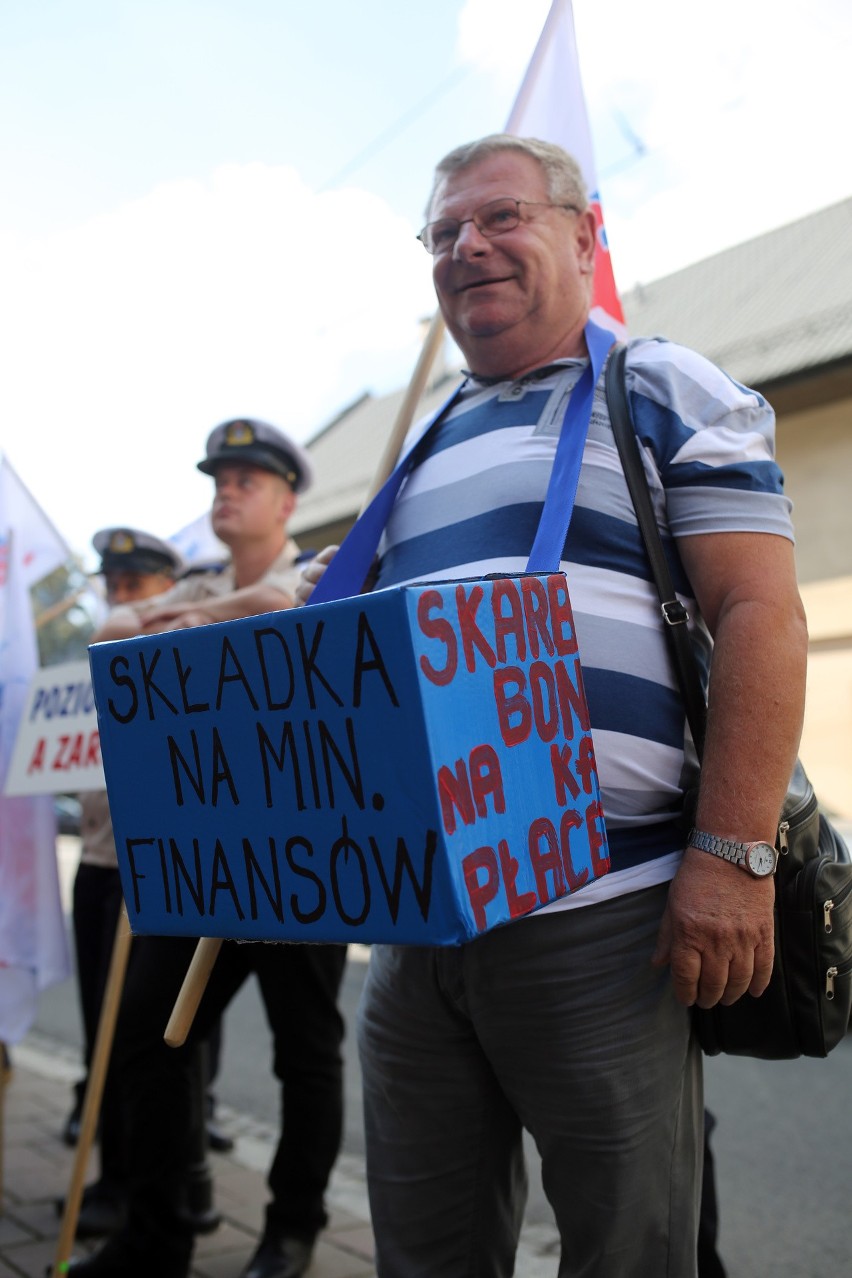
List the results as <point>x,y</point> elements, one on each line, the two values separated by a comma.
<point>550,105</point>
<point>34,950</point>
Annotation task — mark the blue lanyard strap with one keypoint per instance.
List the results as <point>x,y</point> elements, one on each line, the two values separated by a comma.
<point>565,475</point>
<point>347,572</point>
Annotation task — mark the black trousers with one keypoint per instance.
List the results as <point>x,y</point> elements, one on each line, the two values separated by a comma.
<point>96,904</point>
<point>95,908</point>
<point>299,985</point>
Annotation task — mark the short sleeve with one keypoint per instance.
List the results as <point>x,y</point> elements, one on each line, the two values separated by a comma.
<point>712,441</point>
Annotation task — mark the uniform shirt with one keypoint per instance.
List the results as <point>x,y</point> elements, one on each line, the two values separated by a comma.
<point>471,506</point>
<point>209,583</point>
<point>98,846</point>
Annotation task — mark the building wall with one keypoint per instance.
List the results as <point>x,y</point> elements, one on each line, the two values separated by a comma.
<point>826,748</point>
<point>815,451</point>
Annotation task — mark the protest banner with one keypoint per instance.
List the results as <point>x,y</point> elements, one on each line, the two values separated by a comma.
<point>414,765</point>
<point>57,747</point>
<point>34,950</point>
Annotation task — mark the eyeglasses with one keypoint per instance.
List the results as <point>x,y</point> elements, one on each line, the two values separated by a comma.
<point>491,220</point>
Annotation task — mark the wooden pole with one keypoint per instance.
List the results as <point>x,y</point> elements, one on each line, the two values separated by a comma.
<point>94,1091</point>
<point>408,407</point>
<point>207,949</point>
<point>192,989</point>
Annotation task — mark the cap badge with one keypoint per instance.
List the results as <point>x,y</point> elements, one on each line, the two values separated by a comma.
<point>238,434</point>
<point>121,543</point>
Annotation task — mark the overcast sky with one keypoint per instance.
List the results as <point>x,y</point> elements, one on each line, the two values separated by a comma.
<point>208,208</point>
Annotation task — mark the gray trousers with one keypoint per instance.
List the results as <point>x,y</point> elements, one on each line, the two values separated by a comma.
<point>558,1024</point>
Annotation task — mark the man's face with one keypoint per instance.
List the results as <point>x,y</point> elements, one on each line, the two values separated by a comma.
<point>124,587</point>
<point>250,504</point>
<point>520,299</point>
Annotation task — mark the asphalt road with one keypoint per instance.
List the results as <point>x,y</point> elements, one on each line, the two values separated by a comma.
<point>783,1145</point>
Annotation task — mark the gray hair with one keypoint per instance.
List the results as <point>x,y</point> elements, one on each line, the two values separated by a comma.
<point>562,173</point>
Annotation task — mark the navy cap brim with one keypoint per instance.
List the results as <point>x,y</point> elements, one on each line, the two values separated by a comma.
<point>144,561</point>
<point>257,454</point>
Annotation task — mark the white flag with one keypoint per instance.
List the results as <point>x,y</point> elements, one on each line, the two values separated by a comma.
<point>34,949</point>
<point>550,105</point>
<point>198,543</point>
<point>40,547</point>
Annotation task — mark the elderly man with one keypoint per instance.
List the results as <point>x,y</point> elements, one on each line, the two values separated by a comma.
<point>257,471</point>
<point>575,1023</point>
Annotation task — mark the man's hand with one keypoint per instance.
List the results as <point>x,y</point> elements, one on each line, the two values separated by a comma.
<point>312,573</point>
<point>717,931</point>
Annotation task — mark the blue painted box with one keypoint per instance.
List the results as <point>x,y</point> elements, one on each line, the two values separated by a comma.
<point>413,765</point>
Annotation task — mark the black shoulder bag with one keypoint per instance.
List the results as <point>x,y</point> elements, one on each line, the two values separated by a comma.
<point>805,1011</point>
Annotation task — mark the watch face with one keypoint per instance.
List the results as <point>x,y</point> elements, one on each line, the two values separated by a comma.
<point>761,859</point>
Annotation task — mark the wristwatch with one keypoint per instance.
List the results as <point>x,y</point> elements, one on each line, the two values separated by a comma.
<point>758,859</point>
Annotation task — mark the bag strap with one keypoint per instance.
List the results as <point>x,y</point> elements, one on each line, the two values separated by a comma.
<point>675,615</point>
<point>346,573</point>
<point>546,551</point>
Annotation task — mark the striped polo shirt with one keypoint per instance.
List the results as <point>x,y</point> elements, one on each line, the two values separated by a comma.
<point>471,506</point>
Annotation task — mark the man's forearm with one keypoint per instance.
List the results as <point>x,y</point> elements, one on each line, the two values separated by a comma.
<point>717,930</point>
<point>251,601</point>
<point>756,705</point>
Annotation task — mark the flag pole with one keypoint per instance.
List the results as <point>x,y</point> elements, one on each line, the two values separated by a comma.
<point>405,416</point>
<point>207,949</point>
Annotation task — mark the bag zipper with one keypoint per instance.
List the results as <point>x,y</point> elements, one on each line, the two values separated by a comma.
<point>834,903</point>
<point>797,817</point>
<point>807,889</point>
<point>832,973</point>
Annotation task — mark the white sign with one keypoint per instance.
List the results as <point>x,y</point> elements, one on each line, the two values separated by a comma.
<point>57,749</point>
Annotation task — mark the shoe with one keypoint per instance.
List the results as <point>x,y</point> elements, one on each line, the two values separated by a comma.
<point>100,1216</point>
<point>116,1260</point>
<point>98,1266</point>
<point>103,1210</point>
<point>217,1140</point>
<point>280,1256</point>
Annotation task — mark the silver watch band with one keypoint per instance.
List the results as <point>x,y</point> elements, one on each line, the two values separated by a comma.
<point>730,849</point>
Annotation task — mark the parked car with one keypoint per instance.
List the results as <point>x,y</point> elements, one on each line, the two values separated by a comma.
<point>68,812</point>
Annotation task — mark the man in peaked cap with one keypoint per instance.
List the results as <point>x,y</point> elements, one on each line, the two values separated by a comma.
<point>248,440</point>
<point>135,566</point>
<point>257,471</point>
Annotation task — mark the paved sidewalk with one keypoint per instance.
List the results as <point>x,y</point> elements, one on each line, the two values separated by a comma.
<point>36,1171</point>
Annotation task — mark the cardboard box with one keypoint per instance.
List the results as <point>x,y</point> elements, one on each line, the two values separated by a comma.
<point>412,766</point>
